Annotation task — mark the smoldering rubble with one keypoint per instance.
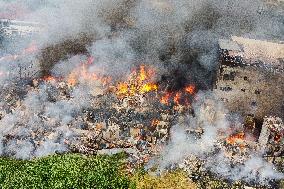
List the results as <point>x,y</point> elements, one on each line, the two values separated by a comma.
<point>232,157</point>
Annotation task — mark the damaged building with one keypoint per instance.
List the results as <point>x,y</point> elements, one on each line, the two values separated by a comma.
<point>250,81</point>
<point>250,77</point>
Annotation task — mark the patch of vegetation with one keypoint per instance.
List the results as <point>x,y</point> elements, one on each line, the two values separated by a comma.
<point>171,180</point>
<point>64,171</point>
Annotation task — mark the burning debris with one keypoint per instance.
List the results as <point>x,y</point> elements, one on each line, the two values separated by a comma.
<point>121,114</point>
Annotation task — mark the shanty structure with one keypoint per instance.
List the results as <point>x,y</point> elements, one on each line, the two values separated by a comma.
<point>250,78</point>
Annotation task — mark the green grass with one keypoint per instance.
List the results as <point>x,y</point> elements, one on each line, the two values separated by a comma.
<point>64,171</point>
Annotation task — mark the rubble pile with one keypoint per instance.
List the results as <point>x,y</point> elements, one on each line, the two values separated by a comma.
<point>117,116</point>
<point>240,151</point>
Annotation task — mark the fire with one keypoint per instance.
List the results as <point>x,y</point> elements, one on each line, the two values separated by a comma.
<point>236,138</point>
<point>49,78</point>
<point>165,99</point>
<point>139,82</point>
<point>179,97</point>
<point>72,79</point>
<point>190,89</point>
<point>122,88</point>
<point>143,74</point>
<point>81,72</point>
<point>155,122</point>
<point>148,87</point>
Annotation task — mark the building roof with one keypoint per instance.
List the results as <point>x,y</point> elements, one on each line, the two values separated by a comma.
<point>260,49</point>
<point>229,45</point>
<point>260,53</point>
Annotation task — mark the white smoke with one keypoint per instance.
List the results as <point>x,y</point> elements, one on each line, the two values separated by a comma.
<point>210,115</point>
<point>36,117</point>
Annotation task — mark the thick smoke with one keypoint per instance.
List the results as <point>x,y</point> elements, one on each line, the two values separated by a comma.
<point>158,32</point>
<point>179,38</point>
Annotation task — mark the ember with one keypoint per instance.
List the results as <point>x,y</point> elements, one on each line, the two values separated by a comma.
<point>181,97</point>
<point>236,138</point>
<point>165,99</point>
<point>50,79</point>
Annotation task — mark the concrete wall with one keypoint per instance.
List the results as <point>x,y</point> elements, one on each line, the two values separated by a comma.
<point>251,90</point>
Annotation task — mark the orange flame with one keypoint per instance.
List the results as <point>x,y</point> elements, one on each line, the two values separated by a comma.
<point>122,88</point>
<point>143,74</point>
<point>155,122</point>
<point>72,79</point>
<point>236,138</point>
<point>165,99</point>
<point>148,87</point>
<point>190,89</point>
<point>180,97</point>
<point>137,83</point>
<point>49,78</point>
<point>81,72</point>
<point>177,97</point>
